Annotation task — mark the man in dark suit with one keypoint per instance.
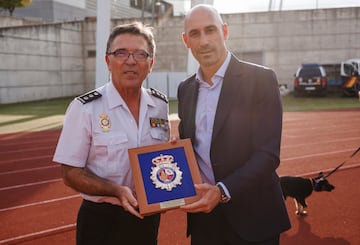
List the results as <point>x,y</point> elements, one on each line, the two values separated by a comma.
<point>232,112</point>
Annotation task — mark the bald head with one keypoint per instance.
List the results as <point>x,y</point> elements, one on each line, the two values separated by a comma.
<point>205,34</point>
<point>202,10</point>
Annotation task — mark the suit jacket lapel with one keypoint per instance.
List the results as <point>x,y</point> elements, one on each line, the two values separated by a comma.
<point>229,91</point>
<point>191,100</point>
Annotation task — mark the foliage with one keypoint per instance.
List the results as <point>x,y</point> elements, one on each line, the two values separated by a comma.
<point>10,5</point>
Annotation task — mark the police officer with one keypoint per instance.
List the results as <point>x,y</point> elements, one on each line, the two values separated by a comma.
<point>99,128</point>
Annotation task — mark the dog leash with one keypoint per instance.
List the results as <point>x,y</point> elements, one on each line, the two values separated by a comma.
<point>334,170</point>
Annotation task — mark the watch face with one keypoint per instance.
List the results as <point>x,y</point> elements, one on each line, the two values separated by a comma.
<point>224,198</point>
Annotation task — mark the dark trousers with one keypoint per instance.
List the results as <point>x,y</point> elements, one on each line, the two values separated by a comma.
<point>213,229</point>
<point>107,224</point>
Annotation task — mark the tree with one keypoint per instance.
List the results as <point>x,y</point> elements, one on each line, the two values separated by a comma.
<point>10,5</point>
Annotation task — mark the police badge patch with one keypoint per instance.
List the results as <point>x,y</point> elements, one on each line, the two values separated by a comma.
<point>104,122</point>
<point>166,175</point>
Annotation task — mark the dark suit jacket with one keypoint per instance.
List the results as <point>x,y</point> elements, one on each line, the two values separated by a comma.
<point>245,146</point>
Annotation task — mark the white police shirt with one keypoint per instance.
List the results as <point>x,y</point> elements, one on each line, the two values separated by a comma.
<point>97,134</point>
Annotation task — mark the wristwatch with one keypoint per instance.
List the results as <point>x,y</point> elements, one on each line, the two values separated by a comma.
<point>224,198</point>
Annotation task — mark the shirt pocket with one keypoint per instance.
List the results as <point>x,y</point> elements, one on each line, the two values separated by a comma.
<point>111,154</point>
<point>159,134</point>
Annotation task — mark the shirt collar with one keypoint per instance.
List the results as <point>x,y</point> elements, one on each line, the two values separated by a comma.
<point>220,73</point>
<point>114,98</point>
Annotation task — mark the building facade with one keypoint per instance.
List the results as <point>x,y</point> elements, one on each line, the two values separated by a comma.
<point>68,10</point>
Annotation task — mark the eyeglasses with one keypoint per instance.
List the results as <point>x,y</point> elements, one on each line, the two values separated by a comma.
<point>123,55</point>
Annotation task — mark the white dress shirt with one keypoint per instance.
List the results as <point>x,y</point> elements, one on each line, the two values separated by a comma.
<point>86,143</point>
<point>205,115</point>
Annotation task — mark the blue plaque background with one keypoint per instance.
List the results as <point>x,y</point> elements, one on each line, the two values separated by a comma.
<point>157,195</point>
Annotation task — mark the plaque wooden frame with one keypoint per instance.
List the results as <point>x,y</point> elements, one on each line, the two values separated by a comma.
<point>153,195</point>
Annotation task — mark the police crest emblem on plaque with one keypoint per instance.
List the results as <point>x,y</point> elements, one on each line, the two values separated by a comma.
<point>166,175</point>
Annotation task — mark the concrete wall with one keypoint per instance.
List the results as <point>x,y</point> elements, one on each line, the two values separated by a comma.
<point>53,11</point>
<point>68,10</point>
<point>42,61</point>
<point>57,60</point>
<point>7,21</point>
<point>288,38</point>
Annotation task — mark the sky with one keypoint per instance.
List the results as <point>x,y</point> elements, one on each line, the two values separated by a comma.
<point>238,6</point>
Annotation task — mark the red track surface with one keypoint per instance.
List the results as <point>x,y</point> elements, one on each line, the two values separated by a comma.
<point>37,208</point>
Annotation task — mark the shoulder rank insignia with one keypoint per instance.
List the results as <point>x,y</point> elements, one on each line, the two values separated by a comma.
<point>158,94</point>
<point>90,96</point>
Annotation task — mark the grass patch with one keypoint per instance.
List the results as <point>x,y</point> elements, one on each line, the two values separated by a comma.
<point>44,108</point>
<point>291,103</point>
<point>34,109</point>
<point>37,109</point>
<point>173,104</point>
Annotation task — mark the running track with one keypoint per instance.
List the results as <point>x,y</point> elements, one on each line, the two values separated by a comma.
<point>36,207</point>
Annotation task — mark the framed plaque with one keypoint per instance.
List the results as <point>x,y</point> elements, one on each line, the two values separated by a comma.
<point>164,175</point>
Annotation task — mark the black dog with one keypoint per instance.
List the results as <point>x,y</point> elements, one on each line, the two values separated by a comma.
<point>300,188</point>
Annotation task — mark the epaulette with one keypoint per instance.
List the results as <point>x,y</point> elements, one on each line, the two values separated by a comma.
<point>158,94</point>
<point>90,96</point>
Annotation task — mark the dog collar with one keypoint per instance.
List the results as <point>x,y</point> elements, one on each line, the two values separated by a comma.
<point>315,184</point>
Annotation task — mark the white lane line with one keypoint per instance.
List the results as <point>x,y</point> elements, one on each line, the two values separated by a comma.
<point>29,184</point>
<point>42,233</point>
<point>320,142</point>
<point>28,170</point>
<point>39,203</point>
<point>328,170</point>
<point>315,155</point>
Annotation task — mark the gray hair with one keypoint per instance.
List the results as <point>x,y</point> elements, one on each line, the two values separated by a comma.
<point>135,28</point>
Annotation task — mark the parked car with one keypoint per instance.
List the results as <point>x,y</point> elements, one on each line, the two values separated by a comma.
<point>349,71</point>
<point>310,79</point>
